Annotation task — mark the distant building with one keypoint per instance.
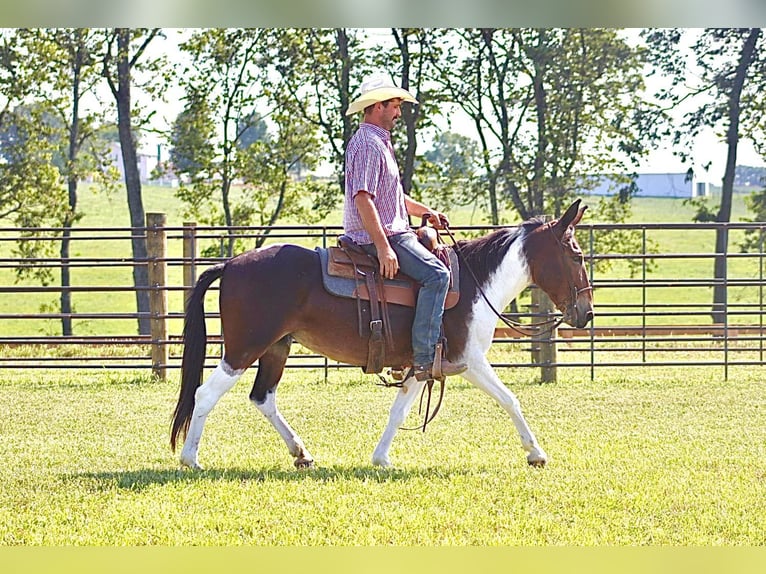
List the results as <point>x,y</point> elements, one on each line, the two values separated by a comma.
<point>148,160</point>
<point>677,185</point>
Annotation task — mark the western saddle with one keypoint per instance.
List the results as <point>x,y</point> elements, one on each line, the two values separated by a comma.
<point>349,260</point>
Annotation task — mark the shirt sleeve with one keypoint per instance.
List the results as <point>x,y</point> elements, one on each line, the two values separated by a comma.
<point>364,170</point>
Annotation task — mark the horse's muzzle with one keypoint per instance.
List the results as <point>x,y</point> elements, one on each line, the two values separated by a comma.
<point>580,313</point>
<point>583,314</point>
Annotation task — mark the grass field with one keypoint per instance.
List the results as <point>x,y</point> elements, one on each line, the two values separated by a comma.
<point>660,460</point>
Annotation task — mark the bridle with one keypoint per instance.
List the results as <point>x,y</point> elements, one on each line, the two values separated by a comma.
<point>528,330</point>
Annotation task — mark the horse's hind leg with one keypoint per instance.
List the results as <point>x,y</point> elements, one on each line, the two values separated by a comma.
<point>264,395</point>
<point>205,398</point>
<point>405,398</point>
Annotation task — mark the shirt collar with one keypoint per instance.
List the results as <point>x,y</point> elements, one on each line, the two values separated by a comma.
<point>380,132</point>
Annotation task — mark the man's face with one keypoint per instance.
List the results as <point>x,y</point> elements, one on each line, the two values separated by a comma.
<point>388,114</point>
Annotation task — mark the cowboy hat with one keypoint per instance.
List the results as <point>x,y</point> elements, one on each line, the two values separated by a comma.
<point>378,89</point>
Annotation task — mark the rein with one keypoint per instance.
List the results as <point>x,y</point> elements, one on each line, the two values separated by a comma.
<point>517,326</point>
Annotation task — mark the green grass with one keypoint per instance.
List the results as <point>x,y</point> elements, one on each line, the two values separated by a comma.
<point>663,459</point>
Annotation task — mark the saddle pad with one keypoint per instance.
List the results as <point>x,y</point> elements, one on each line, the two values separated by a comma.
<point>338,279</point>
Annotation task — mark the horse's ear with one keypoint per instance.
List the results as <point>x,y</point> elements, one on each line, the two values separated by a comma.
<point>579,215</point>
<point>571,217</point>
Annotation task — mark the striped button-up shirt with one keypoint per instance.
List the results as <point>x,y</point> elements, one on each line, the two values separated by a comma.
<point>371,166</point>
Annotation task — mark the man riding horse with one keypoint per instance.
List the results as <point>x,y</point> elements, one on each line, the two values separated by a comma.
<point>375,216</point>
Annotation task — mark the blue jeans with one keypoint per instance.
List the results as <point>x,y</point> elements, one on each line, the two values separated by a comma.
<point>423,266</point>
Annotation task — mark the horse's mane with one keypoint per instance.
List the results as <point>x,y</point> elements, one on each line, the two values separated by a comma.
<point>485,253</point>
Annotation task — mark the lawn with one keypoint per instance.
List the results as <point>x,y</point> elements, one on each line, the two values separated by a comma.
<point>660,459</point>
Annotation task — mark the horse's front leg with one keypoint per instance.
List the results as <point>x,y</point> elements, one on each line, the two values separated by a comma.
<point>405,398</point>
<point>481,374</point>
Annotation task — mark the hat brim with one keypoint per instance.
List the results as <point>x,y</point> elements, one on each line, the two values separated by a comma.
<point>379,95</point>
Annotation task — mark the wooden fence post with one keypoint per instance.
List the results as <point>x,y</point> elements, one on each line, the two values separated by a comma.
<point>156,246</point>
<point>543,344</point>
<point>190,254</point>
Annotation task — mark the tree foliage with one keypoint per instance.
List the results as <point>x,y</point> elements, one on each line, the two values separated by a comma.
<point>729,68</point>
<point>235,79</point>
<point>548,106</point>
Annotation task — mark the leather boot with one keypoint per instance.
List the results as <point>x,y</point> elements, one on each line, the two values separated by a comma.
<point>425,372</point>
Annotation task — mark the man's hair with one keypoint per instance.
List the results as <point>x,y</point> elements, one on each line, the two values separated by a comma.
<point>384,102</point>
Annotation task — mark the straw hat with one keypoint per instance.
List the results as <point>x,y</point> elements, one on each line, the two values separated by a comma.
<point>378,89</point>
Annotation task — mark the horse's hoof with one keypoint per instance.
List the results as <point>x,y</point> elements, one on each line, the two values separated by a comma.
<point>537,462</point>
<point>381,462</point>
<point>191,464</point>
<point>303,463</point>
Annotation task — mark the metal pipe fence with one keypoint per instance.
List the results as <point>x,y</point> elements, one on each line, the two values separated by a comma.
<point>654,305</point>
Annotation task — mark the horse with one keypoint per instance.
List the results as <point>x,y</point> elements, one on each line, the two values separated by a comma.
<point>271,296</point>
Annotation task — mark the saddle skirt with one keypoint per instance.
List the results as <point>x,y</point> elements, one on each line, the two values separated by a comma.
<point>344,278</point>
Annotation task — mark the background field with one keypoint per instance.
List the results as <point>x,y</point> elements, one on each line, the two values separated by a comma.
<point>105,212</point>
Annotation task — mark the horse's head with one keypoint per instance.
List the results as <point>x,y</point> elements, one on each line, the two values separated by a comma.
<point>557,266</point>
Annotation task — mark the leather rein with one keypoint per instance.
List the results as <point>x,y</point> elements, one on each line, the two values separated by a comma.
<point>528,330</point>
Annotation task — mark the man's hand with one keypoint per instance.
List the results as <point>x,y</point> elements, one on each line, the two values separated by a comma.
<point>438,220</point>
<point>389,263</point>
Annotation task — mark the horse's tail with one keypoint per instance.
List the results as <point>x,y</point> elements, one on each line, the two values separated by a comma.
<point>194,351</point>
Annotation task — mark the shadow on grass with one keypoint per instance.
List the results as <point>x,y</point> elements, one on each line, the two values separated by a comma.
<point>144,478</point>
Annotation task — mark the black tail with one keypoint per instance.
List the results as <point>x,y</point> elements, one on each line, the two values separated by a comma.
<point>195,345</point>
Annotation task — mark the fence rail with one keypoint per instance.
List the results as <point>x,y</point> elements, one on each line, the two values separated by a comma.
<point>653,307</point>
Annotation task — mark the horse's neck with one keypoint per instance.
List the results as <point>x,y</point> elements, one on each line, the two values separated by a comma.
<point>509,279</point>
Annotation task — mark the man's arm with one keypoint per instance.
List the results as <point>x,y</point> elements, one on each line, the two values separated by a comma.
<point>389,264</point>
<point>417,209</point>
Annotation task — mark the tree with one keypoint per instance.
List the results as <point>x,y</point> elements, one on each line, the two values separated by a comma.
<point>125,55</point>
<point>30,194</point>
<point>413,47</point>
<point>320,69</point>
<point>547,105</point>
<point>233,92</point>
<point>449,171</point>
<point>69,70</point>
<point>726,94</point>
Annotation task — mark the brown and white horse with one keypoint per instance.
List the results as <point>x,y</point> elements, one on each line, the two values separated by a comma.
<point>272,296</point>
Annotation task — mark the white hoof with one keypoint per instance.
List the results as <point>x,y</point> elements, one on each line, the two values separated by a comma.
<point>381,461</point>
<point>190,462</point>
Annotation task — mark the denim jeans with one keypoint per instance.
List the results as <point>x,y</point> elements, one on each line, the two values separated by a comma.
<point>423,266</point>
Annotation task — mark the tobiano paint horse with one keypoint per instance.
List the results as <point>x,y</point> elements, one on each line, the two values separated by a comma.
<point>272,296</point>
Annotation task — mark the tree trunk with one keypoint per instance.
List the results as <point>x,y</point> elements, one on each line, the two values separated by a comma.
<point>74,135</point>
<point>341,40</point>
<point>410,113</point>
<point>732,139</point>
<point>132,182</point>
<point>66,281</point>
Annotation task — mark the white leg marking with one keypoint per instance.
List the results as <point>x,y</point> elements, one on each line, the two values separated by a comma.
<point>483,376</point>
<point>405,398</point>
<point>268,408</point>
<point>205,398</point>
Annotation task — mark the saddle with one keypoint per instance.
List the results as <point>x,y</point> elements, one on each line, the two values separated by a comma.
<point>349,271</point>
